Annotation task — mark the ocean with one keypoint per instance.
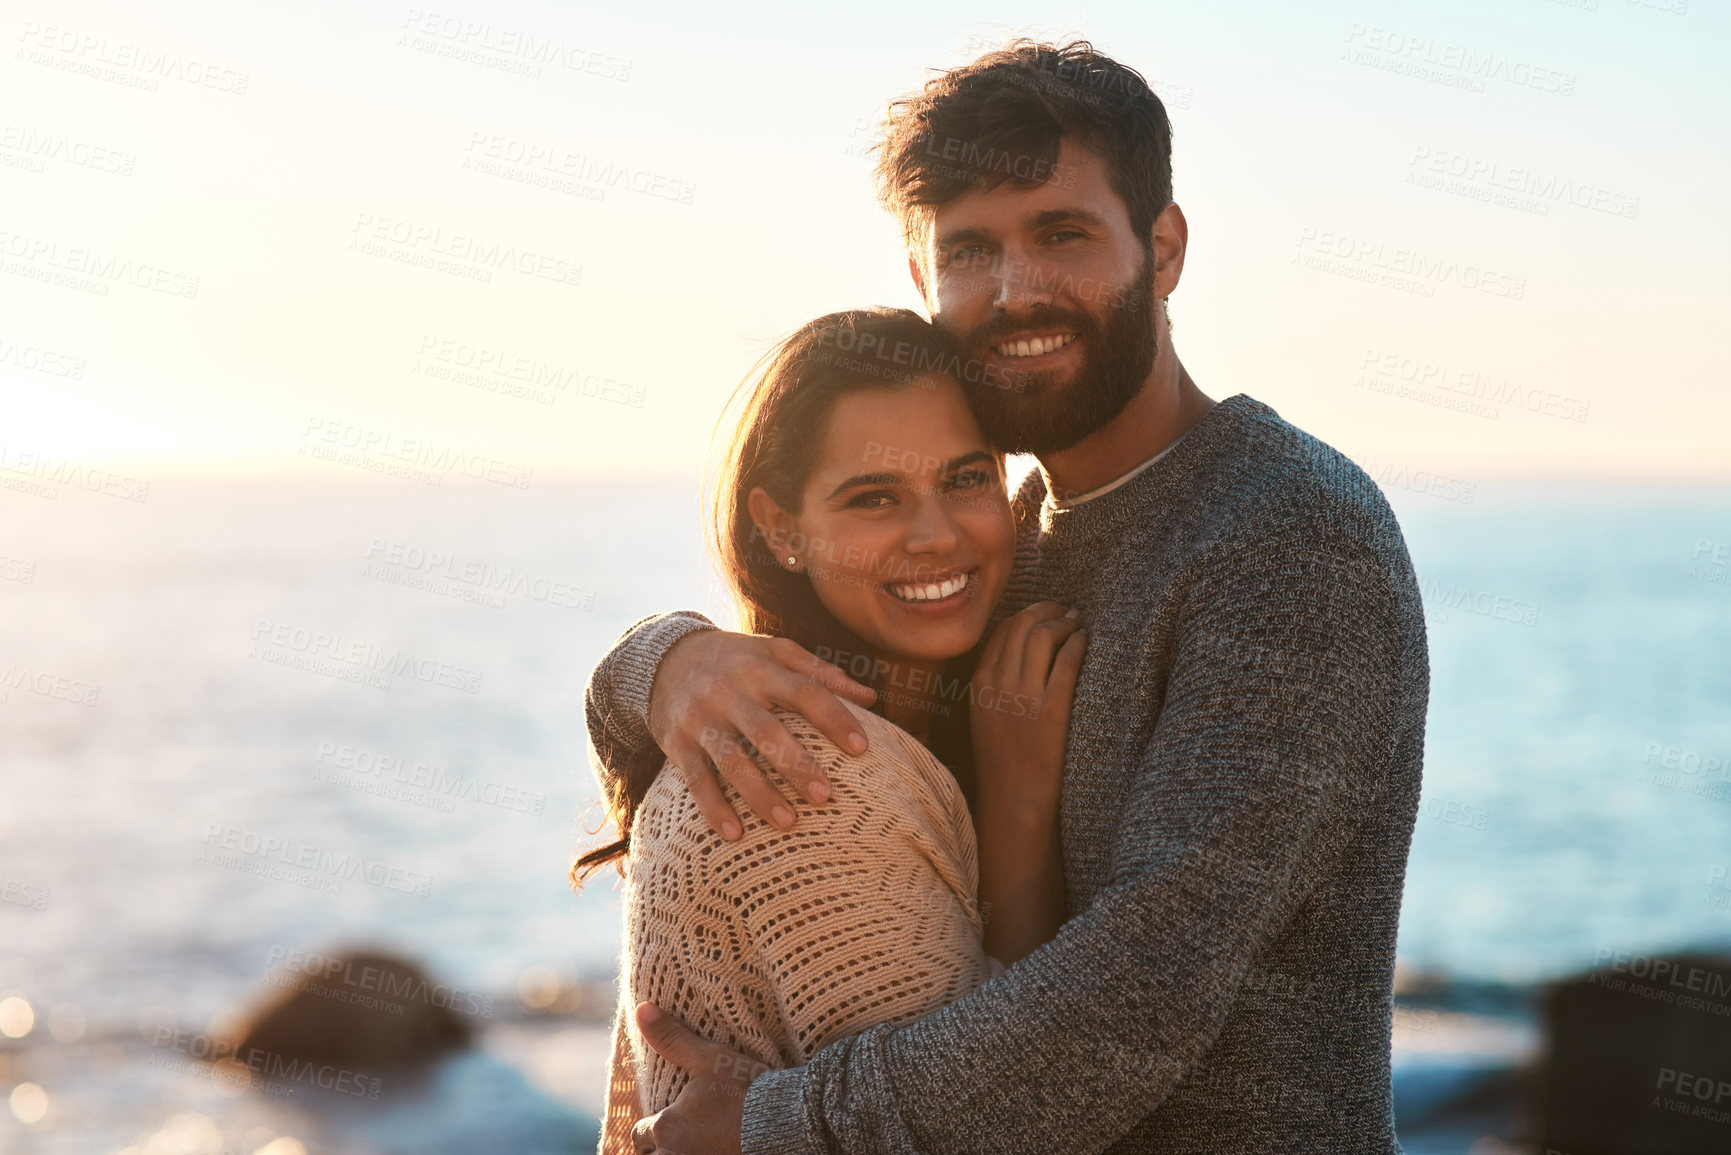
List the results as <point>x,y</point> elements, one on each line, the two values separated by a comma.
<point>245,722</point>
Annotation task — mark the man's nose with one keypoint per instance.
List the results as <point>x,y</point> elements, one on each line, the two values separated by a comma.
<point>1019,282</point>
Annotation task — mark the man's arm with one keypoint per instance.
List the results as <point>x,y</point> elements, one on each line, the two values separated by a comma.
<point>704,697</point>
<point>1276,727</point>
<point>616,700</point>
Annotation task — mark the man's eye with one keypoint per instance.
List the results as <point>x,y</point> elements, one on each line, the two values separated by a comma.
<point>1063,234</point>
<point>875,499</point>
<point>967,254</point>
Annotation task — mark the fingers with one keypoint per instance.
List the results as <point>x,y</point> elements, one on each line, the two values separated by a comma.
<point>678,1043</point>
<point>1061,690</point>
<point>1042,646</point>
<point>705,788</point>
<point>802,661</point>
<point>792,760</point>
<point>1022,627</point>
<point>729,754</point>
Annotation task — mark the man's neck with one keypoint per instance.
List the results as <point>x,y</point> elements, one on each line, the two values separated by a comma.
<point>1165,409</point>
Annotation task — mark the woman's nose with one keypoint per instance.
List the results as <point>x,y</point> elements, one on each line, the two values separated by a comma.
<point>932,529</point>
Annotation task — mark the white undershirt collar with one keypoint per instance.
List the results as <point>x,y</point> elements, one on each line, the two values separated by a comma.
<point>1121,479</point>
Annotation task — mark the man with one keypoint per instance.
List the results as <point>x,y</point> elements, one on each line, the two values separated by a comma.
<point>1243,765</point>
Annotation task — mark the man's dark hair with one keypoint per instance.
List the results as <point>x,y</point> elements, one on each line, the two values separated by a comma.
<point>1002,118</point>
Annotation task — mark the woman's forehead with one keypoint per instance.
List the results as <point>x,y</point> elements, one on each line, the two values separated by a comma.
<point>916,429</point>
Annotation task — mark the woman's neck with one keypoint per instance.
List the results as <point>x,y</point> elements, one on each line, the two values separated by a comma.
<point>913,693</point>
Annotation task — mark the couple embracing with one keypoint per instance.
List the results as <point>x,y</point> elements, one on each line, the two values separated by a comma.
<point>1101,846</point>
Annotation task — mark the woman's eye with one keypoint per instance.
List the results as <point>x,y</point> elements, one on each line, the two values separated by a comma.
<point>876,499</point>
<point>971,479</point>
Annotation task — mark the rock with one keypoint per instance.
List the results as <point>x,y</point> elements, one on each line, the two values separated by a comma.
<point>1638,1059</point>
<point>363,1012</point>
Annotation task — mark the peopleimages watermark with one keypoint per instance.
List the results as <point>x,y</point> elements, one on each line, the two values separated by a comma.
<point>23,894</point>
<point>1460,390</point>
<point>1441,599</point>
<point>36,359</point>
<point>413,458</point>
<point>1399,267</point>
<point>1390,474</point>
<point>899,361</point>
<point>322,652</point>
<point>1520,187</point>
<point>470,579</point>
<point>1698,1096</point>
<point>17,569</point>
<point>61,687</point>
<point>364,985</point>
<point>41,475</point>
<point>123,62</point>
<point>561,170</point>
<point>30,150</point>
<point>1448,62</point>
<point>1663,980</point>
<point>517,374</point>
<point>253,1068</point>
<point>419,783</point>
<point>1718,878</point>
<point>88,270</point>
<point>460,254</point>
<point>1711,562</point>
<point>302,863</point>
<point>1688,771</point>
<point>504,49</point>
<point>1454,812</point>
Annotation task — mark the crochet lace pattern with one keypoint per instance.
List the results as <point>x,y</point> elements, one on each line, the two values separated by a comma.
<point>776,945</point>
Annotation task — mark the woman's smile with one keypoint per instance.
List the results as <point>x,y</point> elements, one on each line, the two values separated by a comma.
<point>945,592</point>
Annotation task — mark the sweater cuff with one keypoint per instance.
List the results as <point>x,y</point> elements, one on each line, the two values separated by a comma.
<point>639,658</point>
<point>775,1121</point>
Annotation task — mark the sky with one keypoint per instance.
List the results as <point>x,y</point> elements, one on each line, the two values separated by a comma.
<point>1463,240</point>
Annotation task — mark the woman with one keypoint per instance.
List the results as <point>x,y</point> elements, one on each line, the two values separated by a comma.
<point>861,513</point>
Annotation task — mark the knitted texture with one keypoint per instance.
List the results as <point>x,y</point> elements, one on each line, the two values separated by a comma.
<point>1240,787</point>
<point>864,912</point>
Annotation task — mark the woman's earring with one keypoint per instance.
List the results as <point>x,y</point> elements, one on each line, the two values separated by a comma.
<point>793,563</point>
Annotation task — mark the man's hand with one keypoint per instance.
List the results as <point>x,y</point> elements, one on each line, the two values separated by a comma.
<point>710,705</point>
<point>706,1117</point>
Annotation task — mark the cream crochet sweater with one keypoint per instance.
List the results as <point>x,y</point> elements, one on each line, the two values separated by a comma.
<point>777,945</point>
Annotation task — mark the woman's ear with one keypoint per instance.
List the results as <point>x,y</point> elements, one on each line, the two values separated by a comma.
<point>778,529</point>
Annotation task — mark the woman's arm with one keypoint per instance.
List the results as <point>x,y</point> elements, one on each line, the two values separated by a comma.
<point>864,911</point>
<point>1020,719</point>
<point>624,1107</point>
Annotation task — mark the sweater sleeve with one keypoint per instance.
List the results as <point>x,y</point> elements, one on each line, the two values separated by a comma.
<point>1276,727</point>
<point>624,1108</point>
<point>866,910</point>
<point>777,944</point>
<point>616,700</point>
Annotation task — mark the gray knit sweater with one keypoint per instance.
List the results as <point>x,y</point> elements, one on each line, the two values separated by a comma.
<point>1238,800</point>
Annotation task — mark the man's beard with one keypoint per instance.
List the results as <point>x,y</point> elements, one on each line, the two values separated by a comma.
<point>1025,412</point>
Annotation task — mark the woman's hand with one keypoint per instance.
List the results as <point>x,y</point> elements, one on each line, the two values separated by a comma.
<point>1020,707</point>
<point>1020,716</point>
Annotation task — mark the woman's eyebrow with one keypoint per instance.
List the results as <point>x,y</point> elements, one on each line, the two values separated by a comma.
<point>956,463</point>
<point>867,479</point>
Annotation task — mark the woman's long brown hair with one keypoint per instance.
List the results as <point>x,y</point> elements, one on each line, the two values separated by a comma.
<point>783,409</point>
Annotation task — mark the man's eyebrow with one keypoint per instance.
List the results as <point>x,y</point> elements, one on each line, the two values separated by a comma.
<point>962,235</point>
<point>1053,216</point>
